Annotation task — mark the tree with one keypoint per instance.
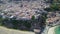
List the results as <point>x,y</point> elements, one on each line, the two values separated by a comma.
<point>33,17</point>
<point>55,6</point>
<point>1,20</point>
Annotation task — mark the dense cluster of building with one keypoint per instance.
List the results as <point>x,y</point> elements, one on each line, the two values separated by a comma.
<point>23,9</point>
<point>53,18</point>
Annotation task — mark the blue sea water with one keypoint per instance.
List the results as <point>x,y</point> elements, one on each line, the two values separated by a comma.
<point>57,30</point>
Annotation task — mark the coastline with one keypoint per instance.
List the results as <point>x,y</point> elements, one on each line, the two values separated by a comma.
<point>51,30</point>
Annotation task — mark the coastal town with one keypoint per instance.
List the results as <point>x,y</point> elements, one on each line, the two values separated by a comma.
<point>32,16</point>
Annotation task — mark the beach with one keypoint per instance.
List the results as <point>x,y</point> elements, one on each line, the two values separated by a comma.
<point>4,30</point>
<point>51,30</point>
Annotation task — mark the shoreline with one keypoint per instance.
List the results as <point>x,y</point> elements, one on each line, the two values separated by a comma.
<point>51,30</point>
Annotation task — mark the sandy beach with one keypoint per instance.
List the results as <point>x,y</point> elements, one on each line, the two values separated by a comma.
<point>51,30</point>
<point>4,30</point>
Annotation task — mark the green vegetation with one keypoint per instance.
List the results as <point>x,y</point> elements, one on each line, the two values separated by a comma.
<point>22,24</point>
<point>55,6</point>
<point>56,1</point>
<point>27,24</point>
<point>33,17</point>
<point>44,16</point>
<point>1,21</point>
